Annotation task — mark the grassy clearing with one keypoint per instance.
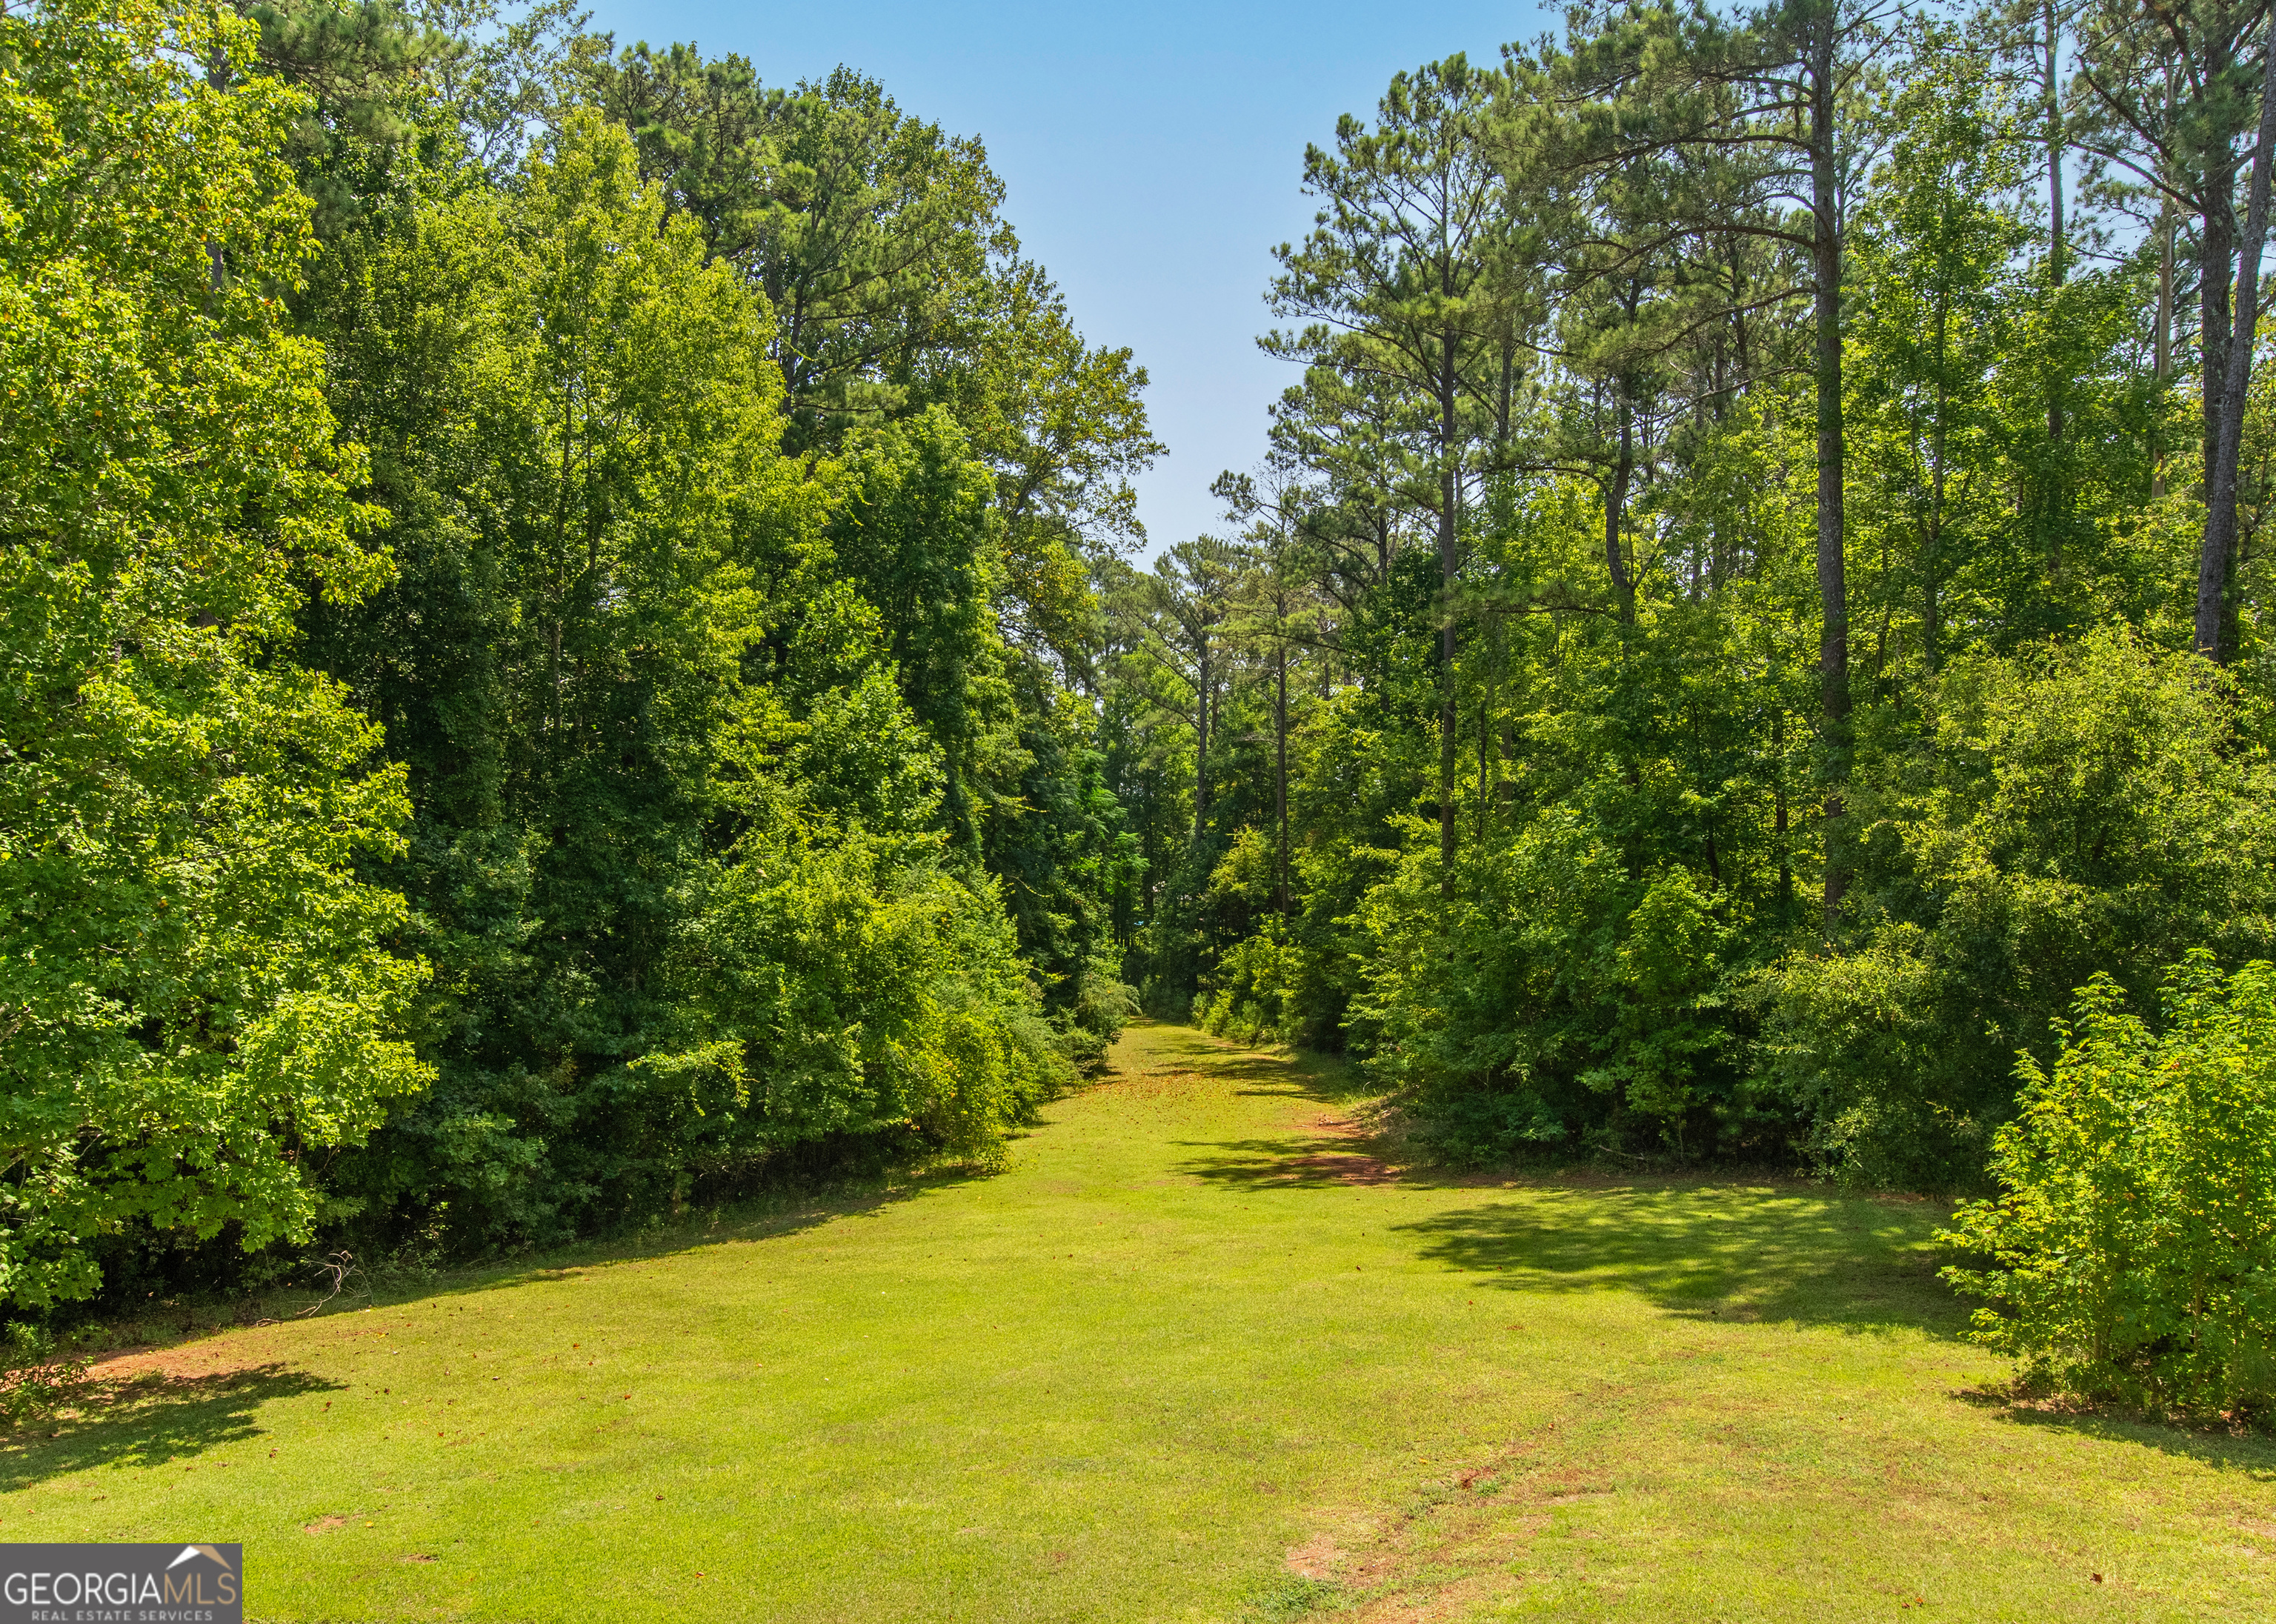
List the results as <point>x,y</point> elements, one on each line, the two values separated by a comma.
<point>1198,1355</point>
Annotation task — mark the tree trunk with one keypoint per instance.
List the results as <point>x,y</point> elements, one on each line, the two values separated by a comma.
<point>1833,579</point>
<point>1280,768</point>
<point>1200,744</point>
<point>2217,239</point>
<point>2217,561</point>
<point>1616,503</point>
<point>2053,113</point>
<point>1448,565</point>
<point>1932,549</point>
<point>1485,730</point>
<point>2163,354</point>
<point>2052,107</point>
<point>1779,828</point>
<point>2162,361</point>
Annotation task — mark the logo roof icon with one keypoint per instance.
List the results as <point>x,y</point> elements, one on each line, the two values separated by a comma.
<point>189,1553</point>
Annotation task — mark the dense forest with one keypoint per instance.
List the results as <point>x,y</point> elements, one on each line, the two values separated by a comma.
<point>547,615</point>
<point>577,635</point>
<point>1754,600</point>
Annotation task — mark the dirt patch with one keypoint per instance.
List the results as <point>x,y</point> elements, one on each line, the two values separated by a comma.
<point>195,1362</point>
<point>1319,1163</point>
<point>1449,1553</point>
<point>324,1525</point>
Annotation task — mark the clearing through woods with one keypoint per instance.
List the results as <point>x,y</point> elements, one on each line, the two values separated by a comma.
<point>1201,1353</point>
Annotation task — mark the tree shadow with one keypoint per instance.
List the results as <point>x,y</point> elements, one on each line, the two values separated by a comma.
<point>136,1413</point>
<point>2253,1454</point>
<point>1295,1162</point>
<point>1725,1247</point>
<point>150,1418</point>
<point>791,1214</point>
<point>1725,1250</point>
<point>1329,1079</point>
<point>1722,1251</point>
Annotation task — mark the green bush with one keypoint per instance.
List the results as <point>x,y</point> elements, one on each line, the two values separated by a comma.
<point>203,998</point>
<point>827,988</point>
<point>2101,805</point>
<point>2134,1250</point>
<point>1558,999</point>
<point>1253,999</point>
<point>1087,1025</point>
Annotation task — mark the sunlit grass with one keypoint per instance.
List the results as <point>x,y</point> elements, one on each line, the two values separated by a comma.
<point>1198,1355</point>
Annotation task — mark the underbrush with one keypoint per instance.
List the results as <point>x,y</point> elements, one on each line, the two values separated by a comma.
<point>2130,1259</point>
<point>175,1291</point>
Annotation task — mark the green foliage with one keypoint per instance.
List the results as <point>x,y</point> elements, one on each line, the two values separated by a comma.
<point>736,479</point>
<point>1290,1596</point>
<point>2050,816</point>
<point>869,231</point>
<point>1562,996</point>
<point>1705,671</point>
<point>913,539</point>
<point>702,734</point>
<point>836,992</point>
<point>200,994</point>
<point>2132,1248</point>
<point>1743,677</point>
<point>591,513</point>
<point>37,1376</point>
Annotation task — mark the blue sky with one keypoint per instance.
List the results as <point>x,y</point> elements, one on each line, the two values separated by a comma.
<point>1153,155</point>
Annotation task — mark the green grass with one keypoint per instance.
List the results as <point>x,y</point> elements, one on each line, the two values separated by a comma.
<point>1194,1356</point>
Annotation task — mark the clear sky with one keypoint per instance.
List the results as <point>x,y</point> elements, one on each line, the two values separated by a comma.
<point>1152,154</point>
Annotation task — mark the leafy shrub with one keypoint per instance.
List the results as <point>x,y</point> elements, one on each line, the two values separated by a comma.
<point>1088,1025</point>
<point>1555,995</point>
<point>1253,999</point>
<point>203,997</point>
<point>2134,1250</point>
<point>828,990</point>
<point>2096,807</point>
<point>36,1377</point>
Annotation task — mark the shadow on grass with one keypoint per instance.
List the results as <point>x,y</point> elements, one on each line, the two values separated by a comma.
<point>1325,1078</point>
<point>2252,1454</point>
<point>152,1419</point>
<point>1730,1250</point>
<point>1723,1249</point>
<point>1708,1251</point>
<point>760,1219</point>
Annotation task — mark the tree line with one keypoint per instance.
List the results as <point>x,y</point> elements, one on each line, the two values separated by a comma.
<point>1756,594</point>
<point>547,613</point>
<point>1748,642</point>
<point>576,639</point>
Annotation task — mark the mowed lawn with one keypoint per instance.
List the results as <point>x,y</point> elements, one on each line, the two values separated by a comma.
<point>1197,1355</point>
